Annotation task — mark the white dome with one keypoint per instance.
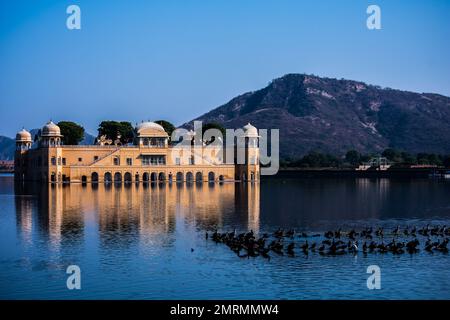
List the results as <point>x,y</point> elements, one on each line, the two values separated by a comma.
<point>23,136</point>
<point>150,129</point>
<point>50,130</point>
<point>250,131</point>
<point>149,124</point>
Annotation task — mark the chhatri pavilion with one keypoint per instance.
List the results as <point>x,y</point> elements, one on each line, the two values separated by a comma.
<point>150,158</point>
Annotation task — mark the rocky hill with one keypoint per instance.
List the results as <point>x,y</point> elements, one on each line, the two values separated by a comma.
<point>7,147</point>
<point>333,116</point>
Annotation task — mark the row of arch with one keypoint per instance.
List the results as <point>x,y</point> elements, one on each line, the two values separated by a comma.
<point>151,177</point>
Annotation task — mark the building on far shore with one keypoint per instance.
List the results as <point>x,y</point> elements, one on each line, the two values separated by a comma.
<point>6,166</point>
<point>150,158</point>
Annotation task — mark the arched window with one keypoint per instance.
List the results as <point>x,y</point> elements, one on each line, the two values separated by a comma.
<point>127,177</point>
<point>162,176</point>
<point>94,177</point>
<point>179,176</point>
<point>211,176</point>
<point>198,177</point>
<point>189,177</point>
<point>153,177</point>
<point>108,177</point>
<point>145,177</point>
<point>117,177</point>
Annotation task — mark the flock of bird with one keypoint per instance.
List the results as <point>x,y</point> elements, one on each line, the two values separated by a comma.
<point>338,242</point>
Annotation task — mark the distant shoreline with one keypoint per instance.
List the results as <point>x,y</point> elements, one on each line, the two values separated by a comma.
<point>334,172</point>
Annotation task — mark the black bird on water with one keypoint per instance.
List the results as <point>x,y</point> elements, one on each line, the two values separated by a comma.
<point>364,247</point>
<point>411,246</point>
<point>442,246</point>
<point>290,249</point>
<point>305,246</point>
<point>277,246</point>
<point>329,234</point>
<point>379,232</point>
<point>279,233</point>
<point>248,244</point>
<point>290,233</point>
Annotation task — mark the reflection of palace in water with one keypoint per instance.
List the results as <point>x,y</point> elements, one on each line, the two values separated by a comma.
<point>120,212</point>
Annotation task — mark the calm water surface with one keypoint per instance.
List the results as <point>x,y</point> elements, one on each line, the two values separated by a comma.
<point>134,242</point>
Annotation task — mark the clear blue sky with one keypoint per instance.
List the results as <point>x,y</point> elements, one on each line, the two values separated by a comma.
<point>175,60</point>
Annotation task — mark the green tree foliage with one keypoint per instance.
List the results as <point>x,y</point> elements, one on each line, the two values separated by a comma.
<point>112,128</point>
<point>313,160</point>
<point>405,158</point>
<point>429,158</point>
<point>317,160</point>
<point>213,125</point>
<point>408,158</point>
<point>446,161</point>
<point>353,157</point>
<point>168,127</point>
<point>365,157</point>
<point>72,132</point>
<point>392,155</point>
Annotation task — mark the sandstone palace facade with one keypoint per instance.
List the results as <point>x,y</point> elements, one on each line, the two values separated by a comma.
<point>150,158</point>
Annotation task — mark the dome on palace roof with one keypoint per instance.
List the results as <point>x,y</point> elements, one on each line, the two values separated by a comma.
<point>50,130</point>
<point>250,131</point>
<point>150,129</point>
<point>23,136</point>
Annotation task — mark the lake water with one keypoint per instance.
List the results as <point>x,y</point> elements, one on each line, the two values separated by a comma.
<point>134,242</point>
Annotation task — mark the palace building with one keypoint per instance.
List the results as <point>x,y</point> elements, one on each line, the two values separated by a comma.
<point>150,158</point>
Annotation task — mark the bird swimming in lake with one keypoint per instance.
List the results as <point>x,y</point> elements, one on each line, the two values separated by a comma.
<point>406,239</point>
<point>290,233</point>
<point>290,249</point>
<point>353,247</point>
